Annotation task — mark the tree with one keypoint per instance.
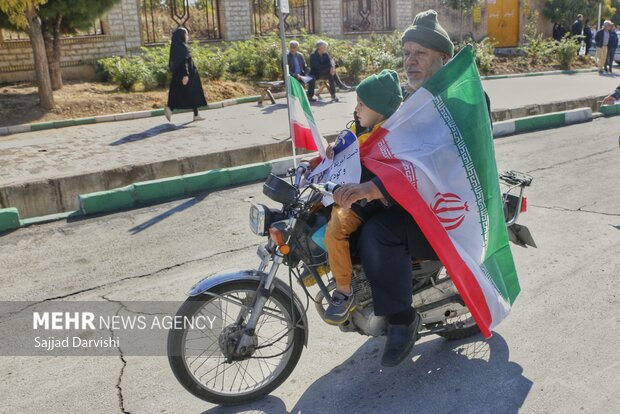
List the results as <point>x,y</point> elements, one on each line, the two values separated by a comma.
<point>463,6</point>
<point>616,16</point>
<point>24,15</point>
<point>67,17</point>
<point>61,17</point>
<point>565,11</point>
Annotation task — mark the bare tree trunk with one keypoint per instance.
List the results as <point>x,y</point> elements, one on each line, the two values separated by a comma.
<point>51,37</point>
<point>461,26</point>
<point>55,72</point>
<point>41,67</point>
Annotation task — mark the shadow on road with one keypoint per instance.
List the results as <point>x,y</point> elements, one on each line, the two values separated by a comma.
<point>181,207</point>
<point>467,376</point>
<point>149,133</point>
<point>271,108</point>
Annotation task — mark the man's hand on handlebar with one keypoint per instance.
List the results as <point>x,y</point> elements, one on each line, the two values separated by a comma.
<point>348,194</point>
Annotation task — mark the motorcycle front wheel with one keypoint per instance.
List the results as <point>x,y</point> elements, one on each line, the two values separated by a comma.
<point>201,358</point>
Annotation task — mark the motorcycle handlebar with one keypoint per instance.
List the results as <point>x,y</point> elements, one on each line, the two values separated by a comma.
<point>302,168</point>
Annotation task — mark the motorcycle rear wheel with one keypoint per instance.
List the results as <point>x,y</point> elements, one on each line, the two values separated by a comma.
<point>463,332</point>
<point>257,375</point>
<point>462,326</point>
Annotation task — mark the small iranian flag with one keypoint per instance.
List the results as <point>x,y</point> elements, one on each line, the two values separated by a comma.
<point>435,157</point>
<point>305,132</point>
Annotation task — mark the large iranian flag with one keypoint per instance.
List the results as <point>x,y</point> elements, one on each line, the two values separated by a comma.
<point>435,157</point>
<point>305,132</point>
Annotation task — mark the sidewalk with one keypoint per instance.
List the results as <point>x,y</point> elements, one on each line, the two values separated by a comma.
<point>109,155</point>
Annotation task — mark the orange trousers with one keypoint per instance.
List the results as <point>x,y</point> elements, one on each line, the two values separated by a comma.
<point>341,225</point>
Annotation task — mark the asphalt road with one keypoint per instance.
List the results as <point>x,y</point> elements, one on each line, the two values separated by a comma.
<point>556,352</point>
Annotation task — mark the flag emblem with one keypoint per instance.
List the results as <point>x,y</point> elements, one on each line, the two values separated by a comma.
<point>450,210</point>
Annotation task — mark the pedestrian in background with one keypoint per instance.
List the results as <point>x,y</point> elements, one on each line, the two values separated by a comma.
<point>602,40</point>
<point>577,27</point>
<point>611,49</point>
<point>558,32</point>
<point>297,67</point>
<point>322,66</point>
<point>587,33</point>
<point>185,87</point>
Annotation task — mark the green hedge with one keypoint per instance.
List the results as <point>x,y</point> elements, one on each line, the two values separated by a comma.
<point>255,59</point>
<point>259,59</point>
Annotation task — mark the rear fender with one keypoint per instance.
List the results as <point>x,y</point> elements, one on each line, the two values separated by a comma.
<point>520,235</point>
<point>210,282</point>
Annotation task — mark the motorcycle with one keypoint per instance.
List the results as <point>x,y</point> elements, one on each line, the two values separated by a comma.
<point>262,325</point>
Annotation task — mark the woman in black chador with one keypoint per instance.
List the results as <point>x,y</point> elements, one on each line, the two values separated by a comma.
<point>185,88</point>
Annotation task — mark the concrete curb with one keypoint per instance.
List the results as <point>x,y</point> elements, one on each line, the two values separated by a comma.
<point>610,110</point>
<point>527,75</point>
<point>39,126</point>
<point>153,192</point>
<point>9,219</point>
<point>166,188</point>
<point>541,122</point>
<point>172,188</point>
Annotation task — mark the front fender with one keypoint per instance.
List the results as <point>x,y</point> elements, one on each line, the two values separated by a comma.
<point>217,279</point>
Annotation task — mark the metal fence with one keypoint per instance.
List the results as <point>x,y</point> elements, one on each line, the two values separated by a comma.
<point>300,19</point>
<point>367,16</point>
<point>161,17</point>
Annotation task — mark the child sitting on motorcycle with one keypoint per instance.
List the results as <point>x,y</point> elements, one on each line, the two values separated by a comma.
<point>378,97</point>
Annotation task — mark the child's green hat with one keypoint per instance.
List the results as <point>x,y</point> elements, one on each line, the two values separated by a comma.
<point>381,93</point>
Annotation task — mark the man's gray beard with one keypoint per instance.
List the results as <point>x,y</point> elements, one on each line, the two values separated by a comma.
<point>411,88</point>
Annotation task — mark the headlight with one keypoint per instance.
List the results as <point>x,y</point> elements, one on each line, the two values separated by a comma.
<point>259,223</point>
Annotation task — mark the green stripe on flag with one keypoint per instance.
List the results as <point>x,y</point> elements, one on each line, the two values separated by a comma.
<point>298,92</point>
<point>458,87</point>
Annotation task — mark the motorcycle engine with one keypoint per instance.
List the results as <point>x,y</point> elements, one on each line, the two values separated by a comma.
<point>361,285</point>
<point>363,319</point>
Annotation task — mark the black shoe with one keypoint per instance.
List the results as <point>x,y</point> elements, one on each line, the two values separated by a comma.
<point>311,99</point>
<point>399,341</point>
<point>344,87</point>
<point>335,99</point>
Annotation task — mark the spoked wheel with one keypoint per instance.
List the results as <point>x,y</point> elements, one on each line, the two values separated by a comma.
<point>208,363</point>
<point>458,327</point>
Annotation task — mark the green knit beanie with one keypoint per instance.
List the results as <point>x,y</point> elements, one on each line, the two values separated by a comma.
<point>426,31</point>
<point>381,93</point>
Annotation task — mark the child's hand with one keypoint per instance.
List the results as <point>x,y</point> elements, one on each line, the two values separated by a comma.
<point>329,151</point>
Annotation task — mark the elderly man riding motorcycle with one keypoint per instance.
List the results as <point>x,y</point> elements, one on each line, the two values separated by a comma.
<point>391,238</point>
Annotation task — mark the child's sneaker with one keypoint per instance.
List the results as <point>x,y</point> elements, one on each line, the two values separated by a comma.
<point>339,309</point>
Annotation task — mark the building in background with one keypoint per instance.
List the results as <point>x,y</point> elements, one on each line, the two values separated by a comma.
<point>135,23</point>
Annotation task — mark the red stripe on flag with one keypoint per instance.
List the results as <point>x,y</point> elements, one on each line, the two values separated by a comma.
<point>302,138</point>
<point>369,144</point>
<point>396,183</point>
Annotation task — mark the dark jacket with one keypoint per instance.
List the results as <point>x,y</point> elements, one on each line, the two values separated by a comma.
<point>576,28</point>
<point>613,42</point>
<point>302,63</point>
<point>598,38</point>
<point>320,64</point>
